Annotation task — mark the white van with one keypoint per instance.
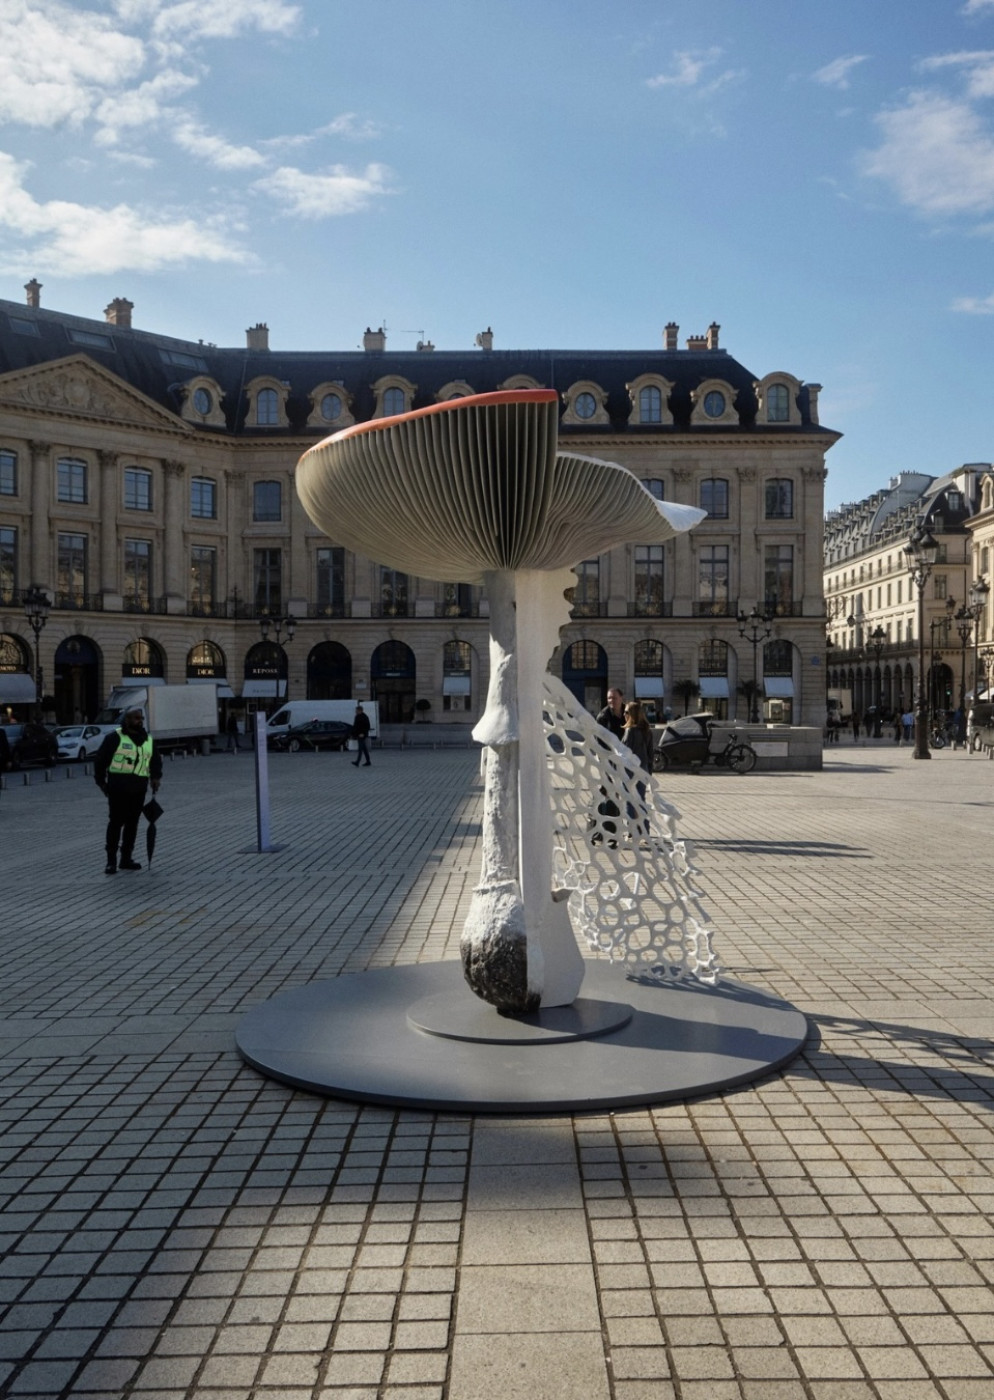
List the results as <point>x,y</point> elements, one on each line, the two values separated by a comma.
<point>296,712</point>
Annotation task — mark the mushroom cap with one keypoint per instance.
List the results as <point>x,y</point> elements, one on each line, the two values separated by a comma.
<point>473,485</point>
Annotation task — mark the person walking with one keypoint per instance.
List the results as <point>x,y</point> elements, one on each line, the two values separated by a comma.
<point>231,729</point>
<point>637,736</point>
<point>360,733</point>
<point>126,762</point>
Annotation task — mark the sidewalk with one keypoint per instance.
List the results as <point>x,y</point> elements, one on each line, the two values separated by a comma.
<point>175,1226</point>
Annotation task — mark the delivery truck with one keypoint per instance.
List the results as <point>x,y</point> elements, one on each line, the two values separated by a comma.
<point>176,716</point>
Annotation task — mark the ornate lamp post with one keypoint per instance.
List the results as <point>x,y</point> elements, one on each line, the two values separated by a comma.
<point>875,642</point>
<point>279,625</point>
<point>755,627</point>
<point>36,610</point>
<point>987,657</point>
<point>921,552</point>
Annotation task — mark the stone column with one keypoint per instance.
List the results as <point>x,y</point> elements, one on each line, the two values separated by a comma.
<point>174,545</point>
<point>41,499</point>
<point>680,557</point>
<point>109,581</point>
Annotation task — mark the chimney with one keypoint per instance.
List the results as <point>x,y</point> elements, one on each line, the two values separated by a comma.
<point>374,340</point>
<point>425,345</point>
<point>713,330</point>
<point>671,332</point>
<point>118,313</point>
<point>33,289</point>
<point>485,339</point>
<point>697,342</point>
<point>257,337</point>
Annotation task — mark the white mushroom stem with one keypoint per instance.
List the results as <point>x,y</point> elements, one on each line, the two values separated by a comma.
<point>527,609</point>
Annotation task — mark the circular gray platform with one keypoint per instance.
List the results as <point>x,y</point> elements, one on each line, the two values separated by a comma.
<point>624,1042</point>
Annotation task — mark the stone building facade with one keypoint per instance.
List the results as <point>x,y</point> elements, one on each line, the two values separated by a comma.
<point>147,485</point>
<point>872,604</point>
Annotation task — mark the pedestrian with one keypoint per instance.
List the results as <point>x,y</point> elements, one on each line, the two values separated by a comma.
<point>360,733</point>
<point>855,727</point>
<point>908,725</point>
<point>125,763</point>
<point>612,717</point>
<point>231,729</point>
<point>613,714</point>
<point>637,736</point>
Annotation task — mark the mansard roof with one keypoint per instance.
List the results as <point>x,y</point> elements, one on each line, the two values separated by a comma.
<point>158,366</point>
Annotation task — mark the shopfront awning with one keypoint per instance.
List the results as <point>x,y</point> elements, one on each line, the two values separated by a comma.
<point>269,689</point>
<point>224,690</point>
<point>17,688</point>
<point>455,685</point>
<point>713,687</point>
<point>649,687</point>
<point>778,687</point>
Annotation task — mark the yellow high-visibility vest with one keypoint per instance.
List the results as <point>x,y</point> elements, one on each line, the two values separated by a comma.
<point>131,758</point>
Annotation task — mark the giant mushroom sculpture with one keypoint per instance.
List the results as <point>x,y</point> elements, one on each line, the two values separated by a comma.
<point>474,491</point>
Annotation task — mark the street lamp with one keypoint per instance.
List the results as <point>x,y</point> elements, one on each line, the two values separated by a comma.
<point>279,625</point>
<point>36,610</point>
<point>987,657</point>
<point>921,552</point>
<point>875,643</point>
<point>755,627</point>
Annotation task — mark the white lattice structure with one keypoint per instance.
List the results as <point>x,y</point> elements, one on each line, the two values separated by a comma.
<point>630,877</point>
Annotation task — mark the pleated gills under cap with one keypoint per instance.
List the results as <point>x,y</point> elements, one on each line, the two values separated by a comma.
<point>474,485</point>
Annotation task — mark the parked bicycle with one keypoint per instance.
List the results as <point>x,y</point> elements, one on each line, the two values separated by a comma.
<point>686,743</point>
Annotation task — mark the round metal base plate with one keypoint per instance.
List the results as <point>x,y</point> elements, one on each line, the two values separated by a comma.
<point>367,1037</point>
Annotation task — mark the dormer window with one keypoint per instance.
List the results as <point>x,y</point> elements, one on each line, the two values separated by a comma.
<point>202,401</point>
<point>331,407</point>
<point>776,396</point>
<point>714,403</point>
<point>650,404</point>
<point>267,408</point>
<point>585,404</point>
<point>394,395</point>
<point>649,395</point>
<point>778,404</point>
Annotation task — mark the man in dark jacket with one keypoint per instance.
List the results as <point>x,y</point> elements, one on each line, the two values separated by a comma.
<point>125,763</point>
<point>613,714</point>
<point>360,733</point>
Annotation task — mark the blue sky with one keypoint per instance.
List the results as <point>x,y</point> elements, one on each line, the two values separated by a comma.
<point>817,178</point>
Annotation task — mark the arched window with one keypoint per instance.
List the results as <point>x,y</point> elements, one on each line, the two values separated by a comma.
<point>393,672</point>
<point>650,405</point>
<point>267,408</point>
<point>329,672</point>
<point>777,404</point>
<point>206,661</point>
<point>393,401</point>
<point>143,657</point>
<point>778,658</point>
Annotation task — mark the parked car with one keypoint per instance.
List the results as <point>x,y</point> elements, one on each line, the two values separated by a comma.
<point>315,734</point>
<point>81,740</point>
<point>37,744</point>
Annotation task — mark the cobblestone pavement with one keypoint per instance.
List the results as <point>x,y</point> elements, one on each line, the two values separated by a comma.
<point>176,1227</point>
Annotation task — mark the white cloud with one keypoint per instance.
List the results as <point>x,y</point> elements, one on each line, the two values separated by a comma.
<point>223,19</point>
<point>143,106</point>
<point>327,195</point>
<point>979,66</point>
<point>77,240</point>
<point>689,66</point>
<point>975,306</point>
<point>57,62</point>
<point>977,7</point>
<point>191,137</point>
<point>836,73</point>
<point>351,126</point>
<point>936,154</point>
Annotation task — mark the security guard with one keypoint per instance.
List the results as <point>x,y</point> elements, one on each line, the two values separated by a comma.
<point>125,762</point>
